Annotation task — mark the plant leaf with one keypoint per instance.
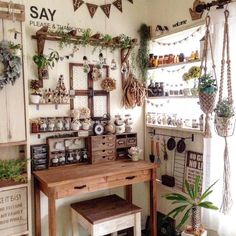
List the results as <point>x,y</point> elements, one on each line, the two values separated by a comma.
<point>208,205</point>
<point>177,210</point>
<point>196,186</point>
<point>189,189</point>
<point>184,219</point>
<point>206,193</point>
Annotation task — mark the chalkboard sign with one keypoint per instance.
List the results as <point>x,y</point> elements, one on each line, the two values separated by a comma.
<point>194,167</point>
<point>13,211</point>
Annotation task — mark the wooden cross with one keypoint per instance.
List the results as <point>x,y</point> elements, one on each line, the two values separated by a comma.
<point>90,92</point>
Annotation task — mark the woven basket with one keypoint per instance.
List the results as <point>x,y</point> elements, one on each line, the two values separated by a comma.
<point>207,102</point>
<point>225,126</point>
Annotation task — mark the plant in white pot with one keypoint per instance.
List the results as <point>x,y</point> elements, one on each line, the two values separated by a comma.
<point>190,205</point>
<point>36,93</point>
<point>224,118</point>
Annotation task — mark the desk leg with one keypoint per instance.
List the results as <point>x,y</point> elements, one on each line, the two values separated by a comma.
<point>52,216</point>
<point>153,203</point>
<point>37,208</point>
<point>128,193</point>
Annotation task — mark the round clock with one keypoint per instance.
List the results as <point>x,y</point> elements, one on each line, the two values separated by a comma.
<point>98,129</point>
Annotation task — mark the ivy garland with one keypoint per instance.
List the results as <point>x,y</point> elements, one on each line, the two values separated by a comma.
<point>12,65</point>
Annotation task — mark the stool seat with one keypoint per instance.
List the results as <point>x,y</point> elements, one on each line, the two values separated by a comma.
<point>106,215</point>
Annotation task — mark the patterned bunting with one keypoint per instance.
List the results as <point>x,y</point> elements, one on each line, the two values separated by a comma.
<point>131,1</point>
<point>106,9</point>
<point>118,5</point>
<point>77,4</point>
<point>92,9</point>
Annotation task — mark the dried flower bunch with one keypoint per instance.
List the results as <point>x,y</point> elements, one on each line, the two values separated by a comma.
<point>193,73</point>
<point>108,84</point>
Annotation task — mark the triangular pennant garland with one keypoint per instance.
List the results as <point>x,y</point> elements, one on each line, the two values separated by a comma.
<point>130,1</point>
<point>106,9</point>
<point>92,9</point>
<point>77,4</point>
<point>118,4</point>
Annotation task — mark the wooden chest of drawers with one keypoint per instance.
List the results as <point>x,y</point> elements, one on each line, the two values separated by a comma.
<point>102,148</point>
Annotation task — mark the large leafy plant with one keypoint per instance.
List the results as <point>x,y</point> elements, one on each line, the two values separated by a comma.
<point>43,61</point>
<point>189,203</point>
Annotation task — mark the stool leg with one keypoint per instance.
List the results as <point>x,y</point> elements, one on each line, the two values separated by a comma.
<point>75,224</point>
<point>137,224</point>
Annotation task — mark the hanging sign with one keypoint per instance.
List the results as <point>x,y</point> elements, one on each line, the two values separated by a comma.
<point>92,9</point>
<point>77,4</point>
<point>13,211</point>
<point>106,9</point>
<point>118,5</point>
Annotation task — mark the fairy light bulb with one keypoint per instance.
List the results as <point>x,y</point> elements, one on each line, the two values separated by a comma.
<point>113,64</point>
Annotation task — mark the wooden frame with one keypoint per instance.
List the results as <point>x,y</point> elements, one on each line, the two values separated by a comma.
<point>90,92</point>
<point>12,11</point>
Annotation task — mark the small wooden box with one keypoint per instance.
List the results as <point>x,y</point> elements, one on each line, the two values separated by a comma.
<point>102,148</point>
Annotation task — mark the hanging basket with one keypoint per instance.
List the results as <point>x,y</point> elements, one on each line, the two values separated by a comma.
<point>207,102</point>
<point>225,126</point>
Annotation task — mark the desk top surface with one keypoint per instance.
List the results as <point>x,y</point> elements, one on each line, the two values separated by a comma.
<point>67,174</point>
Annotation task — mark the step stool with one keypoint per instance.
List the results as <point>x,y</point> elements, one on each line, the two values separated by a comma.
<point>105,215</point>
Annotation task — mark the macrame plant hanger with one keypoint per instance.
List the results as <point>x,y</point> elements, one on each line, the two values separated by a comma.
<point>207,101</point>
<point>225,125</point>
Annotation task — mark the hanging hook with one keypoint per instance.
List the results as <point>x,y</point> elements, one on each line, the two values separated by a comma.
<point>226,12</point>
<point>208,21</point>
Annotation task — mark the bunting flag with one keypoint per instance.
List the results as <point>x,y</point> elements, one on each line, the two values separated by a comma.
<point>118,5</point>
<point>92,8</point>
<point>77,4</point>
<point>106,9</point>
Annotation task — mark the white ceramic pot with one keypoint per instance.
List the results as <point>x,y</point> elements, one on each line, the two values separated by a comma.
<point>85,126</point>
<point>35,98</point>
<point>75,125</point>
<point>120,129</point>
<point>224,126</point>
<point>185,234</point>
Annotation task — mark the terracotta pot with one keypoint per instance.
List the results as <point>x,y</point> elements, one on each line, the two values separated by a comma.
<point>35,98</point>
<point>224,126</point>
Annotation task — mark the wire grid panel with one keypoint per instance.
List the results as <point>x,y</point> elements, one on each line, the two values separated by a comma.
<point>80,101</point>
<point>179,169</point>
<point>100,106</point>
<point>80,80</point>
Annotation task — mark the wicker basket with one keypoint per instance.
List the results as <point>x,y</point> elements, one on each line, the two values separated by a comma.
<point>207,102</point>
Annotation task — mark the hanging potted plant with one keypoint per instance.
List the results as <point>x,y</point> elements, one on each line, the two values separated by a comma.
<point>36,93</point>
<point>43,62</point>
<point>224,118</point>
<point>191,206</point>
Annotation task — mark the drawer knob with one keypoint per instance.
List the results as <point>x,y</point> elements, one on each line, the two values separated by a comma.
<point>131,177</point>
<point>80,187</point>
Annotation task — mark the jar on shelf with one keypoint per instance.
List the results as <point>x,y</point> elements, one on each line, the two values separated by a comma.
<point>166,59</point>
<point>55,161</point>
<point>150,89</point>
<point>161,89</point>
<point>171,59</point>
<point>160,60</point>
<point>155,89</point>
<point>150,61</point>
<point>148,118</point>
<point>181,57</point>
<point>171,91</point>
<point>197,55</point>
<point>155,62</point>
<point>166,90</point>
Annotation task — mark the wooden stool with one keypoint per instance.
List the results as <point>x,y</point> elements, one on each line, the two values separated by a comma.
<point>106,215</point>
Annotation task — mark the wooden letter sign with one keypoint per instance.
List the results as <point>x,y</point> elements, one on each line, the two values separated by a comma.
<point>13,211</point>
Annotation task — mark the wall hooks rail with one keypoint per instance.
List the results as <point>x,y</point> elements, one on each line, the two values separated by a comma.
<point>154,133</point>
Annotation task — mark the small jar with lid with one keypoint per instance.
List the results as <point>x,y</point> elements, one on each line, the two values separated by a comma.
<point>166,59</point>
<point>62,160</point>
<point>151,58</point>
<point>155,62</point>
<point>70,158</point>
<point>161,89</point>
<point>55,161</point>
<point>171,59</point>
<point>160,60</point>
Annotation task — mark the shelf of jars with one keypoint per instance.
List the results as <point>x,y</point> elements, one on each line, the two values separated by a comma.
<point>173,97</point>
<point>161,66</point>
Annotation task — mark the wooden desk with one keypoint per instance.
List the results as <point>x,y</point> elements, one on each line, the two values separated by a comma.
<point>74,180</point>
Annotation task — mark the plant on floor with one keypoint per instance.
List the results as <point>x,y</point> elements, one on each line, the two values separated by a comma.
<point>142,56</point>
<point>12,170</point>
<point>191,205</point>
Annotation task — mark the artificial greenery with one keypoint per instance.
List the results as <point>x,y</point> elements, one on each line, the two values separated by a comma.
<point>85,37</point>
<point>125,41</point>
<point>142,56</point>
<point>65,39</point>
<point>187,204</point>
<point>12,170</point>
<point>193,73</point>
<point>11,63</point>
<point>43,61</point>
<point>224,109</point>
<point>206,84</point>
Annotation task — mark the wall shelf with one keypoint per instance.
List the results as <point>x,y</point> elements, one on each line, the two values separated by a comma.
<point>172,97</point>
<point>174,64</point>
<point>48,104</point>
<point>174,128</point>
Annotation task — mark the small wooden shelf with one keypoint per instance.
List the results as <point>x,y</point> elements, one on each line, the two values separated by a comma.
<point>48,104</point>
<point>190,130</point>
<point>5,185</point>
<point>170,189</point>
<point>172,97</point>
<point>54,131</point>
<point>13,144</point>
<point>174,64</point>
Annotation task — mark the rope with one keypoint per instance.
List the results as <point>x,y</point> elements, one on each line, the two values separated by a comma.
<point>227,198</point>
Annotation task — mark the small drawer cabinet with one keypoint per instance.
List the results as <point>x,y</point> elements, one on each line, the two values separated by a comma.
<point>102,148</point>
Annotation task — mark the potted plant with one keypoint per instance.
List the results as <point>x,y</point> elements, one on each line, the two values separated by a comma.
<point>224,118</point>
<point>36,93</point>
<point>190,205</point>
<point>13,170</point>
<point>43,62</point>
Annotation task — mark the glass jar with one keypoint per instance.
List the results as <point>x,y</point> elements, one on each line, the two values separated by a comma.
<point>150,61</point>
<point>160,60</point>
<point>166,59</point>
<point>155,62</point>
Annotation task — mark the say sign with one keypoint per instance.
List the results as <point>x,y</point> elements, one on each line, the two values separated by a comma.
<point>42,14</point>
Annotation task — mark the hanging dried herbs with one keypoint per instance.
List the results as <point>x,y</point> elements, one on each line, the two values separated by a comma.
<point>142,56</point>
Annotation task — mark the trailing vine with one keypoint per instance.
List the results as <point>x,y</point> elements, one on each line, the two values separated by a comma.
<point>142,56</point>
